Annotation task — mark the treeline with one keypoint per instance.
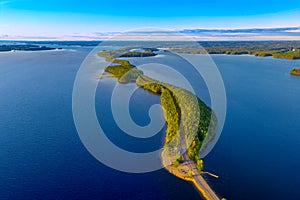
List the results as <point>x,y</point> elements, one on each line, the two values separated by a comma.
<point>24,48</point>
<point>277,49</point>
<point>113,54</point>
<point>168,104</point>
<point>206,129</point>
<point>294,54</point>
<point>287,54</point>
<point>287,50</point>
<point>124,71</point>
<point>179,105</point>
<point>195,116</point>
<point>138,54</point>
<point>295,71</point>
<point>171,115</point>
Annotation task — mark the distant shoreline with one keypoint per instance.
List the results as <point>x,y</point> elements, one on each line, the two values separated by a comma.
<point>184,162</point>
<point>15,48</point>
<point>288,49</point>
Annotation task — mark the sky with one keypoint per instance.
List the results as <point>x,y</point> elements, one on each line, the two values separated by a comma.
<point>92,19</point>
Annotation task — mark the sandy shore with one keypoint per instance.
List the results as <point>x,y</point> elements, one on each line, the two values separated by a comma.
<point>182,172</point>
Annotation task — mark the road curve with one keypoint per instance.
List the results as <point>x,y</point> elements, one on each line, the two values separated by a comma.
<point>199,182</point>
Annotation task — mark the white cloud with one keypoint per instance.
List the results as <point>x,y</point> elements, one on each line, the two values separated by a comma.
<point>195,34</point>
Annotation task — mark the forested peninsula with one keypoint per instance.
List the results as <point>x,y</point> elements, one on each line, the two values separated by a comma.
<point>185,114</point>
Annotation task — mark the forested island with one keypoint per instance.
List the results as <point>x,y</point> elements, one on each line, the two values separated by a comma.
<point>24,48</point>
<point>295,71</point>
<point>185,114</point>
<point>123,70</point>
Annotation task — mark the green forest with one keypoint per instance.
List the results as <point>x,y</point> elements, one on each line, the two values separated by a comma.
<point>295,71</point>
<point>123,70</point>
<point>195,116</point>
<point>179,106</point>
<point>23,47</point>
<point>277,50</point>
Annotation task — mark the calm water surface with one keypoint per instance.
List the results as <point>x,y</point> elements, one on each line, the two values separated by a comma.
<point>41,156</point>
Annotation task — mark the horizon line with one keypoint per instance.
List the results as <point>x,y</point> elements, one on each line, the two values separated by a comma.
<point>239,34</point>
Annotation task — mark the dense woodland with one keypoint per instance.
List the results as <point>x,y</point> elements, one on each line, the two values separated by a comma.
<point>277,49</point>
<point>281,49</point>
<point>24,48</point>
<point>123,70</point>
<point>295,71</point>
<point>179,105</point>
<point>194,114</point>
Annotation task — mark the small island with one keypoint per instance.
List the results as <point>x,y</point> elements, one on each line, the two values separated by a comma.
<point>28,47</point>
<point>185,114</point>
<point>295,71</point>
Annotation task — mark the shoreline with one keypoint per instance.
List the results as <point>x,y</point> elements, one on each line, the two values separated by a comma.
<point>205,190</point>
<point>295,71</point>
<point>31,51</point>
<point>182,166</point>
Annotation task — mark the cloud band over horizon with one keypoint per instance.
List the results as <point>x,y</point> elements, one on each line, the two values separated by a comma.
<point>286,33</point>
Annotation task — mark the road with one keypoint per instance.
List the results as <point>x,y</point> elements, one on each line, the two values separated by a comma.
<point>199,181</point>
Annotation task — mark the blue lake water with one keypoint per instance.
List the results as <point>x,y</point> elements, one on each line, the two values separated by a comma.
<point>42,157</point>
<point>257,156</point>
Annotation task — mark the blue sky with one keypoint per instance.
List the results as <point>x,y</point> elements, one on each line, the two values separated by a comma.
<point>54,18</point>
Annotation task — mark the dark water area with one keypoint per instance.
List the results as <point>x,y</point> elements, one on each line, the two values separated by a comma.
<point>42,157</point>
<point>256,156</point>
<point>140,103</point>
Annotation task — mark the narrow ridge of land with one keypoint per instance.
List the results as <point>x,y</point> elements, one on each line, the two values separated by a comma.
<point>187,118</point>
